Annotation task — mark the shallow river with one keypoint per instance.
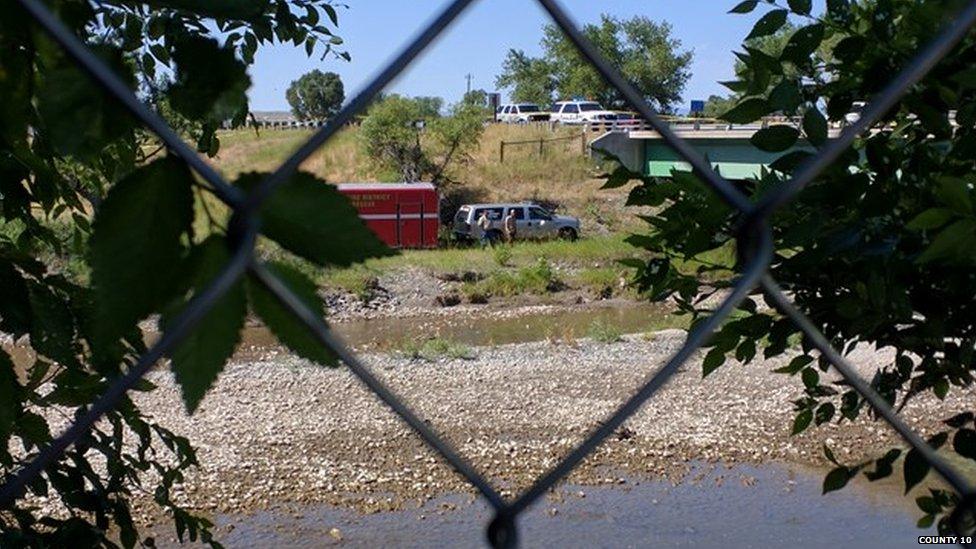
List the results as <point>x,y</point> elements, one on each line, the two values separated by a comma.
<point>382,333</point>
<point>768,506</point>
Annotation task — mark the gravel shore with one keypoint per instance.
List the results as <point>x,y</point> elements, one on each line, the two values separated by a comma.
<point>277,429</point>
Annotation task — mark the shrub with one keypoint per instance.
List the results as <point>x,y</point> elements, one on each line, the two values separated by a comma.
<point>435,348</point>
<point>604,332</point>
<point>502,255</point>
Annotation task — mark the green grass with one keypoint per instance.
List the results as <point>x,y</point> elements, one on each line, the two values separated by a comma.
<point>604,332</point>
<point>533,279</point>
<point>585,251</point>
<point>603,279</point>
<point>435,348</point>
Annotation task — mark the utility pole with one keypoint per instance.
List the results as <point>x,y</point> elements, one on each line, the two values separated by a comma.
<point>468,77</point>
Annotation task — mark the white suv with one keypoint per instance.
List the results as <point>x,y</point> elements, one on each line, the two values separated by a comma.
<point>520,113</point>
<point>581,112</point>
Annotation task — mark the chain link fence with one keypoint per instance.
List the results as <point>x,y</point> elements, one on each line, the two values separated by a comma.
<point>753,239</point>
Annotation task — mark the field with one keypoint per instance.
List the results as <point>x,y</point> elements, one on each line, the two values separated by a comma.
<point>561,177</point>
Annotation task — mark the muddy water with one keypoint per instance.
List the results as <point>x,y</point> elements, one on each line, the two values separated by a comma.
<point>767,506</point>
<point>474,329</point>
<point>390,332</point>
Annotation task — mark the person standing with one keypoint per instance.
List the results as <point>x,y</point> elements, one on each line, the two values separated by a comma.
<point>483,225</point>
<point>510,226</point>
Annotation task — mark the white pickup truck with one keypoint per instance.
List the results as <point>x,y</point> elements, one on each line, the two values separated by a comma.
<point>580,112</point>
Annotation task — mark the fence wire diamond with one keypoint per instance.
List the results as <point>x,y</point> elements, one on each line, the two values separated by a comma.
<point>753,237</point>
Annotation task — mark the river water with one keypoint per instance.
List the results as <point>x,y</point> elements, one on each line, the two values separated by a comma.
<point>480,330</point>
<point>743,506</point>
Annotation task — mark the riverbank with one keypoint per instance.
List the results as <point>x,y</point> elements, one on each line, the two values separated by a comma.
<point>277,430</point>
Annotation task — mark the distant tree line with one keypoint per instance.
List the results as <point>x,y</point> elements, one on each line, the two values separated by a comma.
<point>644,50</point>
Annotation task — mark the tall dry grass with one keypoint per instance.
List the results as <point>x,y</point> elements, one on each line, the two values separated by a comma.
<point>560,176</point>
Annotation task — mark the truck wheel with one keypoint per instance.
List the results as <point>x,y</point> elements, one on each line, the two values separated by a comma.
<point>568,233</point>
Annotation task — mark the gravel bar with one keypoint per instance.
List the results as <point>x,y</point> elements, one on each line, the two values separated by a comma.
<point>280,430</point>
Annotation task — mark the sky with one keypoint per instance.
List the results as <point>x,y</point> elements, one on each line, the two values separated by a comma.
<point>375,30</point>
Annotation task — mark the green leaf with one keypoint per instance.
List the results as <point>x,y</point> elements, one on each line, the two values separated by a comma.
<point>964,443</point>
<point>829,454</point>
<point>283,324</point>
<point>768,24</point>
<point>836,479</point>
<point>53,326</point>
<point>15,308</point>
<point>932,218</point>
<point>952,243</point>
<point>785,96</point>
<point>966,77</point>
<point>954,193</point>
<point>838,8</point>
<point>200,357</point>
<point>33,428</point>
<point>9,399</point>
<point>789,161</point>
<point>748,110</point>
<point>959,420</point>
<point>714,359</point>
<point>795,365</point>
<point>135,244</point>
<point>745,7</point>
<point>620,177</point>
<point>825,412</point>
<point>78,117</point>
<point>312,219</point>
<point>803,44</point>
<point>775,138</point>
<point>815,126</point>
<point>801,7</point>
<point>220,9</point>
<point>811,378</point>
<point>211,83</point>
<point>802,421</point>
<point>331,12</point>
<point>925,522</point>
<point>916,468</point>
<point>746,351</point>
<point>883,465</point>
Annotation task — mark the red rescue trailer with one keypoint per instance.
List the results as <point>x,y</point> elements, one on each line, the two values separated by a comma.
<point>403,215</point>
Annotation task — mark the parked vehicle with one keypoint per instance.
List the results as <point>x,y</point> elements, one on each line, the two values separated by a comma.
<point>403,215</point>
<point>580,112</point>
<point>521,113</point>
<point>531,221</point>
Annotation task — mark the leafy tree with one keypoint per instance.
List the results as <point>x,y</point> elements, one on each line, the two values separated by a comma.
<point>717,105</point>
<point>401,134</point>
<point>477,98</point>
<point>100,229</point>
<point>644,51</point>
<point>530,79</point>
<point>316,95</point>
<point>429,108</point>
<point>879,250</point>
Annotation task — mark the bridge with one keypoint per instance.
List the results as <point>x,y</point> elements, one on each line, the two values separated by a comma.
<point>727,147</point>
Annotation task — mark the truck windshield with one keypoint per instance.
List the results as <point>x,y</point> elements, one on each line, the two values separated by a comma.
<point>586,107</point>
